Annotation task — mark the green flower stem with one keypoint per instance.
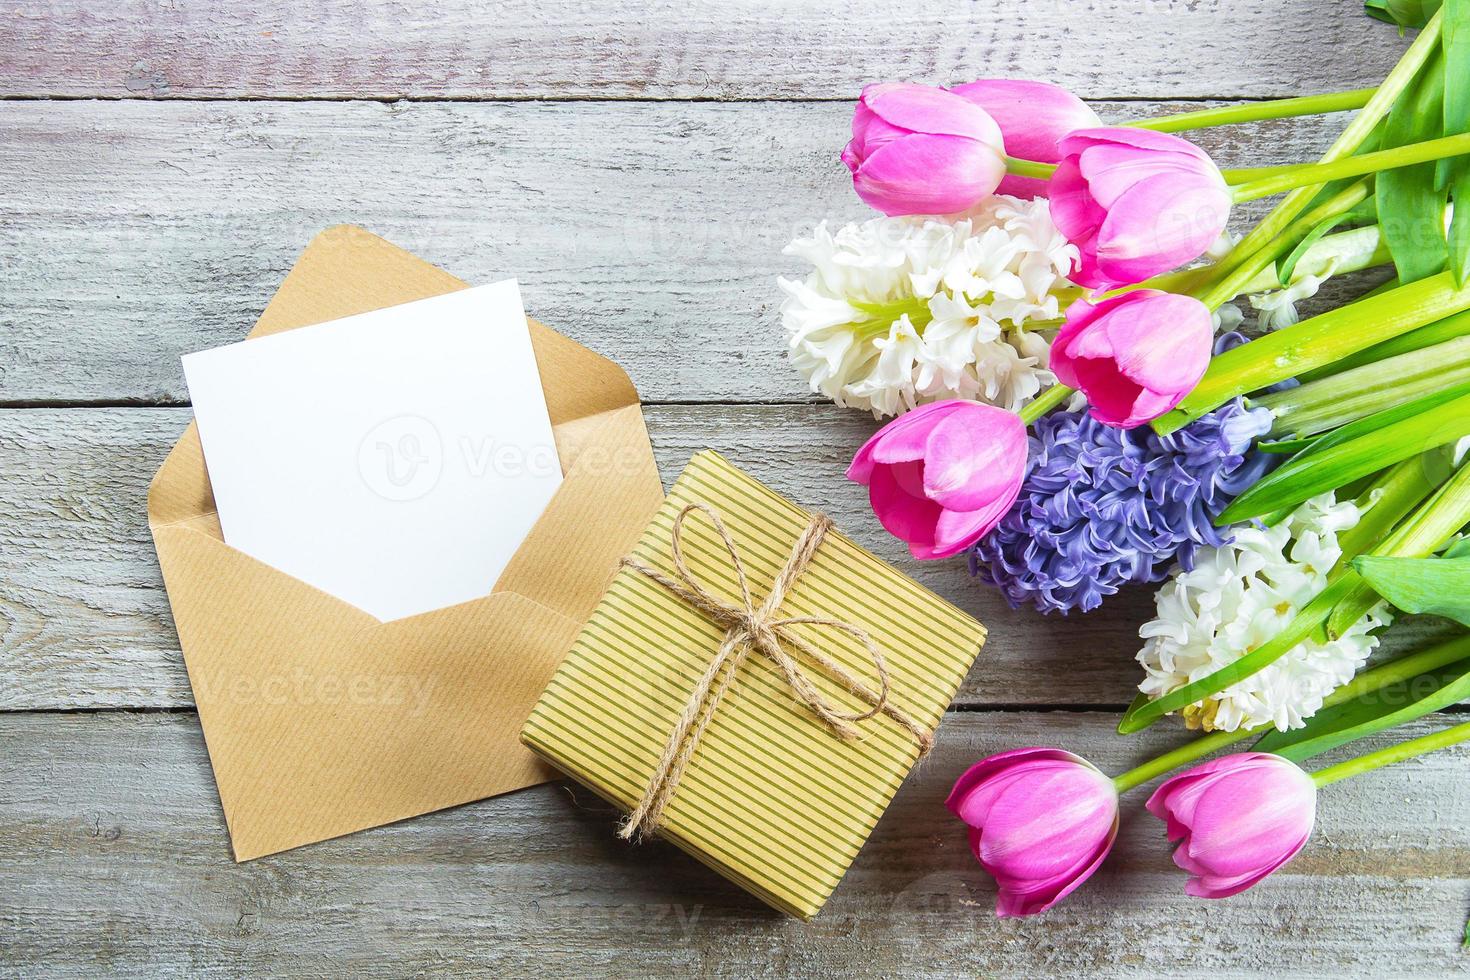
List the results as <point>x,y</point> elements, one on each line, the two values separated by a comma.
<point>1017,167</point>
<point>1306,105</point>
<point>1347,143</point>
<point>1044,402</point>
<point>1393,753</point>
<point>1438,332</point>
<point>1338,254</point>
<point>1428,529</point>
<point>1236,175</point>
<point>1246,175</point>
<point>1317,341</point>
<point>1188,752</point>
<point>1355,166</point>
<point>1386,674</point>
<point>880,316</point>
<point>1350,395</point>
<point>1391,497</point>
<point>1235,281</point>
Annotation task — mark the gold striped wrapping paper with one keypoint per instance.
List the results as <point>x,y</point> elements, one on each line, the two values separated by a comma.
<point>772,799</point>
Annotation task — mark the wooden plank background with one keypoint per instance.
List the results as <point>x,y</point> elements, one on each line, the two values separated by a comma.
<point>638,166</point>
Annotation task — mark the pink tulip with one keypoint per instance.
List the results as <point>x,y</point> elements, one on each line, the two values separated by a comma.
<point>1033,117</point>
<point>1135,203</point>
<point>941,476</point>
<point>1041,821</point>
<point>917,149</point>
<point>1237,819</point>
<point>1135,356</point>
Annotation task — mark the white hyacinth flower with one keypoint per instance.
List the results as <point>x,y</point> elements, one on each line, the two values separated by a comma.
<point>1239,596</point>
<point>901,311</point>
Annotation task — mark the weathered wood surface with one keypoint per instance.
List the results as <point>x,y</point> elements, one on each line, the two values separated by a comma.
<point>87,623</point>
<point>138,231</point>
<point>663,49</point>
<point>133,231</point>
<point>114,859</point>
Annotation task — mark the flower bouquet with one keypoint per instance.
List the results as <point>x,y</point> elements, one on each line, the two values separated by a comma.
<point>1049,309</point>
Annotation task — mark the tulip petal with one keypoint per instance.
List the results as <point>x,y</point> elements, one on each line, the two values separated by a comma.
<point>1032,116</point>
<point>906,516</point>
<point>1275,810</point>
<point>1163,344</point>
<point>1142,139</point>
<point>1073,209</point>
<point>1112,170</point>
<point>956,530</point>
<point>910,429</point>
<point>870,136</point>
<point>972,778</point>
<point>1042,826</point>
<point>926,109</point>
<point>1033,901</point>
<point>975,806</point>
<point>1111,395</point>
<point>1215,887</point>
<point>1159,224</point>
<point>1026,188</point>
<point>1238,820</point>
<point>929,174</point>
<point>974,456</point>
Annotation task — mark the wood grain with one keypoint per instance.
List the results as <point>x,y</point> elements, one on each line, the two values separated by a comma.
<point>134,232</point>
<point>86,622</point>
<point>149,206</point>
<point>114,860</point>
<point>660,49</point>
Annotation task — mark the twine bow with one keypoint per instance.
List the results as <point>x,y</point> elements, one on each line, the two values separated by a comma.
<point>748,628</point>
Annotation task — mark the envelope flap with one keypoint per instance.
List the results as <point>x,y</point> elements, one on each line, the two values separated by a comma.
<point>347,270</point>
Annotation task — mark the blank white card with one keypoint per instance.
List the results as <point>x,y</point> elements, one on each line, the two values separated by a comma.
<point>395,459</point>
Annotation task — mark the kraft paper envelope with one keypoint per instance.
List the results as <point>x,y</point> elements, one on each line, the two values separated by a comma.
<point>319,719</point>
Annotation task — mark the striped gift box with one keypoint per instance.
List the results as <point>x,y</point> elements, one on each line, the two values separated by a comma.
<point>771,798</point>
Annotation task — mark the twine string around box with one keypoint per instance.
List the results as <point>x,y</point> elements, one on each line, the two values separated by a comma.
<point>748,628</point>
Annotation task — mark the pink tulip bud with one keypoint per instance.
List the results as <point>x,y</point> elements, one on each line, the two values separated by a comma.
<point>1033,117</point>
<point>1041,821</point>
<point>1135,203</point>
<point>1237,819</point>
<point>941,476</point>
<point>917,149</point>
<point>1135,356</point>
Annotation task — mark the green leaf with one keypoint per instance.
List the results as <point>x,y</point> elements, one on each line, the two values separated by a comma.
<point>1453,173</point>
<point>1456,325</point>
<point>1287,266</point>
<point>1404,13</point>
<point>1388,416</point>
<point>1459,234</point>
<point>1354,451</point>
<point>1285,446</point>
<point>1410,196</point>
<point>1436,586</point>
<point>1373,712</point>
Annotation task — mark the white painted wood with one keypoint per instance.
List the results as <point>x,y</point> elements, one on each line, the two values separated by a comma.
<point>114,861</point>
<point>706,49</point>
<point>134,232</point>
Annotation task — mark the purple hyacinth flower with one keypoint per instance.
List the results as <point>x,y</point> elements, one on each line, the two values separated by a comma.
<point>1101,506</point>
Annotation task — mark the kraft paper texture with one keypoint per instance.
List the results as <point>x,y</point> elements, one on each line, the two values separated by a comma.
<point>319,719</point>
